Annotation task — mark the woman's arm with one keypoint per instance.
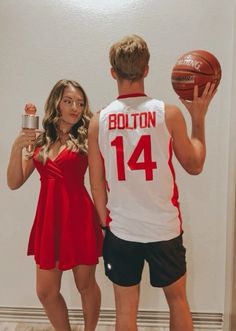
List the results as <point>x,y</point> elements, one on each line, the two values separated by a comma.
<point>19,168</point>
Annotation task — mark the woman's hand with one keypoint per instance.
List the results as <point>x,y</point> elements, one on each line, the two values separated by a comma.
<point>19,168</point>
<point>25,138</point>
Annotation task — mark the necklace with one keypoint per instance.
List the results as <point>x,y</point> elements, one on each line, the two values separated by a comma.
<point>62,136</point>
<point>63,131</point>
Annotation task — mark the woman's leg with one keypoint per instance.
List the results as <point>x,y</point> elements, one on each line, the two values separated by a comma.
<point>48,291</point>
<point>87,286</point>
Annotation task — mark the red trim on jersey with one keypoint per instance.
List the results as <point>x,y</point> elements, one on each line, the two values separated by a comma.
<point>108,219</point>
<point>175,195</point>
<point>106,182</point>
<point>131,95</point>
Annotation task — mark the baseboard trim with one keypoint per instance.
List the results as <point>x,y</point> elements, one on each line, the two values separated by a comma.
<point>212,321</point>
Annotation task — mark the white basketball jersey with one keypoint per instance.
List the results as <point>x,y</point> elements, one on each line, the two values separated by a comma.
<point>137,150</point>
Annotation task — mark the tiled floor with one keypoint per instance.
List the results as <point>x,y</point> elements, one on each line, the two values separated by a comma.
<point>40,327</point>
<point>4,326</point>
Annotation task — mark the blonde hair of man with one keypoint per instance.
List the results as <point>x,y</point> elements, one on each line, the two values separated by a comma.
<point>129,57</point>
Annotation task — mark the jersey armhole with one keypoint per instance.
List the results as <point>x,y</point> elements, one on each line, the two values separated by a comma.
<point>164,120</point>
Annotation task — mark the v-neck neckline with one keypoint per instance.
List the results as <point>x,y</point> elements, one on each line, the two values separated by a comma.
<point>58,155</point>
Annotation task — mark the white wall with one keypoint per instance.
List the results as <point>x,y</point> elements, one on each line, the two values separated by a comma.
<point>42,41</point>
<point>230,293</point>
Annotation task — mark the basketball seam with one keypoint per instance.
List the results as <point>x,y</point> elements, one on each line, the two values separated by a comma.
<point>187,89</point>
<point>202,57</point>
<point>191,71</point>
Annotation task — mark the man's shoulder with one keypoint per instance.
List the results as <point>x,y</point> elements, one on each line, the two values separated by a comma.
<point>155,101</point>
<point>171,109</point>
<point>112,106</point>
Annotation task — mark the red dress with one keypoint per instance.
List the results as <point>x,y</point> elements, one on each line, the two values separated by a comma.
<point>66,226</point>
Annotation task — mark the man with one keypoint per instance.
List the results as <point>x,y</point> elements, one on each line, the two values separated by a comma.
<point>133,184</point>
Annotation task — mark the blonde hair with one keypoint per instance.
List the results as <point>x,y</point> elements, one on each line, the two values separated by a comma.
<point>129,57</point>
<point>78,135</point>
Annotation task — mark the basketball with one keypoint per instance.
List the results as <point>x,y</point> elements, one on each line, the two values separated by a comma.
<point>195,68</point>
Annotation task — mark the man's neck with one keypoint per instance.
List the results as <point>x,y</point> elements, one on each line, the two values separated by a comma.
<point>129,87</point>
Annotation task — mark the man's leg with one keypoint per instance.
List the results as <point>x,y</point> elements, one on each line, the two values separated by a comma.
<point>180,316</point>
<point>124,261</point>
<point>126,300</point>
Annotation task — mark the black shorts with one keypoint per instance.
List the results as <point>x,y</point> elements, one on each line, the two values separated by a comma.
<point>124,260</point>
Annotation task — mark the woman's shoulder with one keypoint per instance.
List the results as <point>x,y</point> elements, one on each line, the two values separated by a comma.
<point>36,151</point>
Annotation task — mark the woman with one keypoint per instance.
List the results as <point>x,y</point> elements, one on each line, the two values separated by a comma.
<point>65,234</point>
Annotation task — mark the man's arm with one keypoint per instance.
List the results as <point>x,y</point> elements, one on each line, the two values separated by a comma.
<point>190,152</point>
<point>96,171</point>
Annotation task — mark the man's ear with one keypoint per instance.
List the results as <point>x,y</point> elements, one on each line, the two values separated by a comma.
<point>146,70</point>
<point>113,73</point>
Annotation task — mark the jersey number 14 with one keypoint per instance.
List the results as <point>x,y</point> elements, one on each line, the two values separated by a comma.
<point>143,146</point>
